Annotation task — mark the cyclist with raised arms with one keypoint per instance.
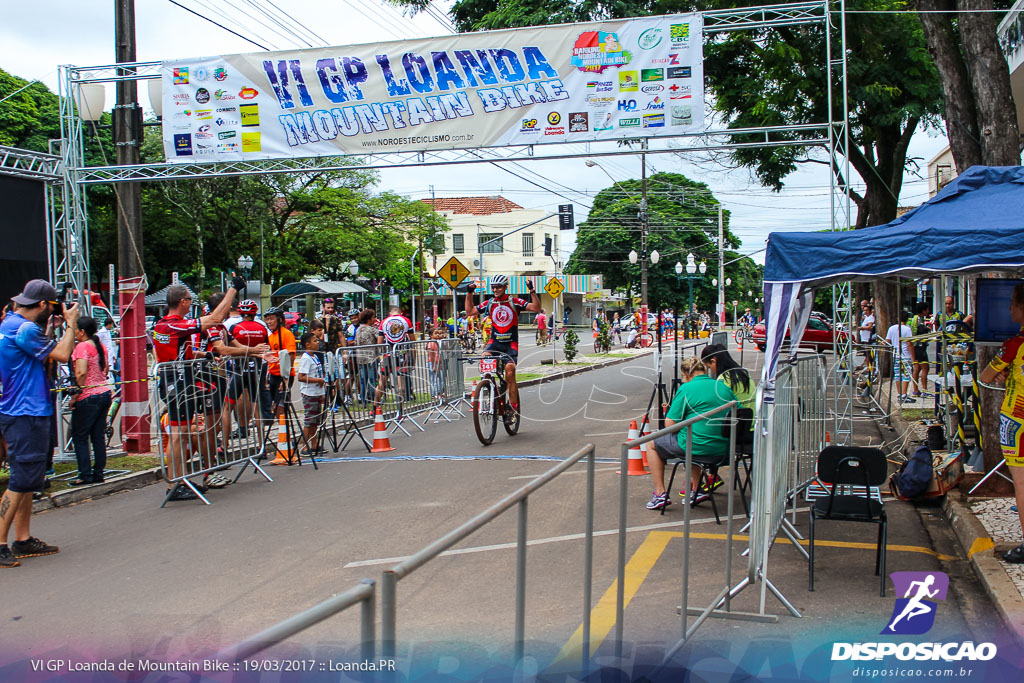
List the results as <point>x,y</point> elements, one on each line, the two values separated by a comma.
<point>504,311</point>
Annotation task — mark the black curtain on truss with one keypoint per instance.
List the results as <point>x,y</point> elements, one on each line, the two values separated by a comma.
<point>23,252</point>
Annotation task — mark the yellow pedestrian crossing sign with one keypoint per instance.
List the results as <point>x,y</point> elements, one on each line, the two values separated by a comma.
<point>453,272</point>
<point>554,287</point>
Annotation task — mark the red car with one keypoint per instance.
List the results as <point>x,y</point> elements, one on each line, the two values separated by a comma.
<point>819,336</point>
<point>291,319</point>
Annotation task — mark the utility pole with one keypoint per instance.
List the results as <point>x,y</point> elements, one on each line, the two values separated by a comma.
<point>132,285</point>
<point>721,269</point>
<point>643,240</point>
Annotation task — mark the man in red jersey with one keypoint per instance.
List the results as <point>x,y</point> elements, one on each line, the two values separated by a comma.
<point>504,313</point>
<point>248,385</point>
<point>186,392</point>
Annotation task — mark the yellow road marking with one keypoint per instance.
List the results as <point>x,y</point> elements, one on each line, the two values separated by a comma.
<point>980,545</point>
<point>602,616</point>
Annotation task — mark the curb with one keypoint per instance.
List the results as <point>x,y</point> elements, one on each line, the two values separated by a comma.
<point>135,480</point>
<point>981,553</point>
<point>575,371</point>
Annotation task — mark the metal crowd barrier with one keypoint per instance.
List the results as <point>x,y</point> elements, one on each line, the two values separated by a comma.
<point>519,499</point>
<point>363,595</point>
<point>190,407</point>
<point>723,597</point>
<point>811,413</point>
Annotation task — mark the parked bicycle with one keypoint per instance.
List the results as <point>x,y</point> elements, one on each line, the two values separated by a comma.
<point>490,400</point>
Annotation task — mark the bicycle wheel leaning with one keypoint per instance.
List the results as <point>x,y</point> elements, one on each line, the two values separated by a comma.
<point>484,418</point>
<point>511,418</point>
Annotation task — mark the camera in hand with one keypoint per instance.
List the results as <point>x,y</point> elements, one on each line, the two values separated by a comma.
<point>62,296</point>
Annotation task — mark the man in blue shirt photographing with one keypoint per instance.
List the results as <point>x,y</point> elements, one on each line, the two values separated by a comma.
<point>26,407</point>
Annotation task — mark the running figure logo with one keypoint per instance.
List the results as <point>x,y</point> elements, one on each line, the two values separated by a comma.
<point>914,613</point>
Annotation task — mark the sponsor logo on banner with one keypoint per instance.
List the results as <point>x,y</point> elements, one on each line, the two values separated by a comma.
<point>221,94</point>
<point>554,118</point>
<point>647,75</point>
<point>914,614</point>
<point>679,34</point>
<point>679,72</point>
<point>180,75</point>
<point>180,99</point>
<point>656,104</point>
<point>529,126</point>
<point>251,142</point>
<point>204,132</point>
<point>220,73</point>
<point>579,122</point>
<point>248,93</point>
<point>628,81</point>
<point>228,147</point>
<point>649,39</point>
<point>654,120</point>
<point>200,73</point>
<point>627,105</point>
<point>183,145</point>
<point>204,114</point>
<point>604,121</point>
<point>648,89</point>
<point>662,60</point>
<point>182,115</point>
<point>555,130</point>
<point>600,101</point>
<point>601,86</point>
<point>250,114</point>
<point>202,96</point>
<point>222,122</point>
<point>595,51</point>
<point>226,110</point>
<point>226,135</point>
<point>682,115</point>
<point>629,123</point>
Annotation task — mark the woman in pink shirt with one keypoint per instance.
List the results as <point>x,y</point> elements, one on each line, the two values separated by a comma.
<point>89,414</point>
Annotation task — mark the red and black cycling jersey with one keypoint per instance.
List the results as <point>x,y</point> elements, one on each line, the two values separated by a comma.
<point>203,341</point>
<point>250,333</point>
<point>172,338</point>
<point>504,313</point>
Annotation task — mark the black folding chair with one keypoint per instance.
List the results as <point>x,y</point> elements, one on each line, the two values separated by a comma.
<point>850,466</point>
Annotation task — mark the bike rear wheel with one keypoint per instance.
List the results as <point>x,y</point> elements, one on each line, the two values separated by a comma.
<point>484,411</point>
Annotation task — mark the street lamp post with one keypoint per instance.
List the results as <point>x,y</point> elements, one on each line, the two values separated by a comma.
<point>691,269</point>
<point>244,269</point>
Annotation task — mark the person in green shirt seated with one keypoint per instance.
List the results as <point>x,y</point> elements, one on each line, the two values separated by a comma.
<point>698,394</point>
<point>724,368</point>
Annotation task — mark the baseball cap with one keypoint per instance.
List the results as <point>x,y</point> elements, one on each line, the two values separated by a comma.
<point>36,291</point>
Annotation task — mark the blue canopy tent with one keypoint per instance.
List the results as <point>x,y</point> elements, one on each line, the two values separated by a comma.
<point>975,224</point>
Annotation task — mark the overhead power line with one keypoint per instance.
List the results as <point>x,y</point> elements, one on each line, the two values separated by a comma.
<point>205,18</point>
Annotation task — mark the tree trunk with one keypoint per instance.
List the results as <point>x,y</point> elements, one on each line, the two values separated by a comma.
<point>990,83</point>
<point>960,115</point>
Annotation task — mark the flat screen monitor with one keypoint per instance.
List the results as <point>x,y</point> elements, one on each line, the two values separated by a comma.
<point>993,323</point>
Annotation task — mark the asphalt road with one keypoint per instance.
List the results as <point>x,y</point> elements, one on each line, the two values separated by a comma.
<point>134,579</point>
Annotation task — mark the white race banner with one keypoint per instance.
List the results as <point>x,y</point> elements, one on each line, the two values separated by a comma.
<point>569,83</point>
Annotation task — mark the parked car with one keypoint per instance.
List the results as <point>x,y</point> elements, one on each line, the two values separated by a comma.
<point>652,322</point>
<point>819,335</point>
<point>292,320</point>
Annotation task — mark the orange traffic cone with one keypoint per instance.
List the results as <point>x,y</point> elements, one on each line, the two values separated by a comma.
<point>284,455</point>
<point>381,442</point>
<point>635,465</point>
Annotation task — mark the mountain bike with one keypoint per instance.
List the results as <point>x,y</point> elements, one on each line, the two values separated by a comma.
<point>468,341</point>
<point>490,400</point>
<point>743,334</point>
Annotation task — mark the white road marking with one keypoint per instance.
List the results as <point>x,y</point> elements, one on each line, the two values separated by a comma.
<point>538,541</point>
<point>534,476</point>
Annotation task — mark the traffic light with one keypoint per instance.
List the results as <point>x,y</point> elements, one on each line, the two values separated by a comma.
<point>565,217</point>
<point>547,246</point>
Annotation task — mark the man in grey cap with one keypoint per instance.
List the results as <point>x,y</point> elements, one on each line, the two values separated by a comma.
<point>26,408</point>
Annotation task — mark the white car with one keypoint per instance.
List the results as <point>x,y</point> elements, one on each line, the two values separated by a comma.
<point>652,322</point>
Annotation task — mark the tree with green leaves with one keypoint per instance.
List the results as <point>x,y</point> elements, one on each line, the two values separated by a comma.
<point>682,219</point>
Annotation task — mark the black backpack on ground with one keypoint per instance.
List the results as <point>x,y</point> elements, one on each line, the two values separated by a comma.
<point>914,476</point>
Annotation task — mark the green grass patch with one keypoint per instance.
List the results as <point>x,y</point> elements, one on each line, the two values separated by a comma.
<point>134,463</point>
<point>609,355</point>
<point>520,376</point>
<point>913,414</point>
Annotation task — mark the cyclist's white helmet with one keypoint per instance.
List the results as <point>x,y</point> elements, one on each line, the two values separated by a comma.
<point>499,281</point>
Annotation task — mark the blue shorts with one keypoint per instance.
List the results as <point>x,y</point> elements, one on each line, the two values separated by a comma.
<point>28,444</point>
<point>901,371</point>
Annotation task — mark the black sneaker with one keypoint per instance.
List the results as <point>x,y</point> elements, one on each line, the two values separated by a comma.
<point>1015,556</point>
<point>33,547</point>
<point>183,493</point>
<point>7,558</point>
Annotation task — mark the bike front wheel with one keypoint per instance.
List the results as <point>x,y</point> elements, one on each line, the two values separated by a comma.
<point>484,419</point>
